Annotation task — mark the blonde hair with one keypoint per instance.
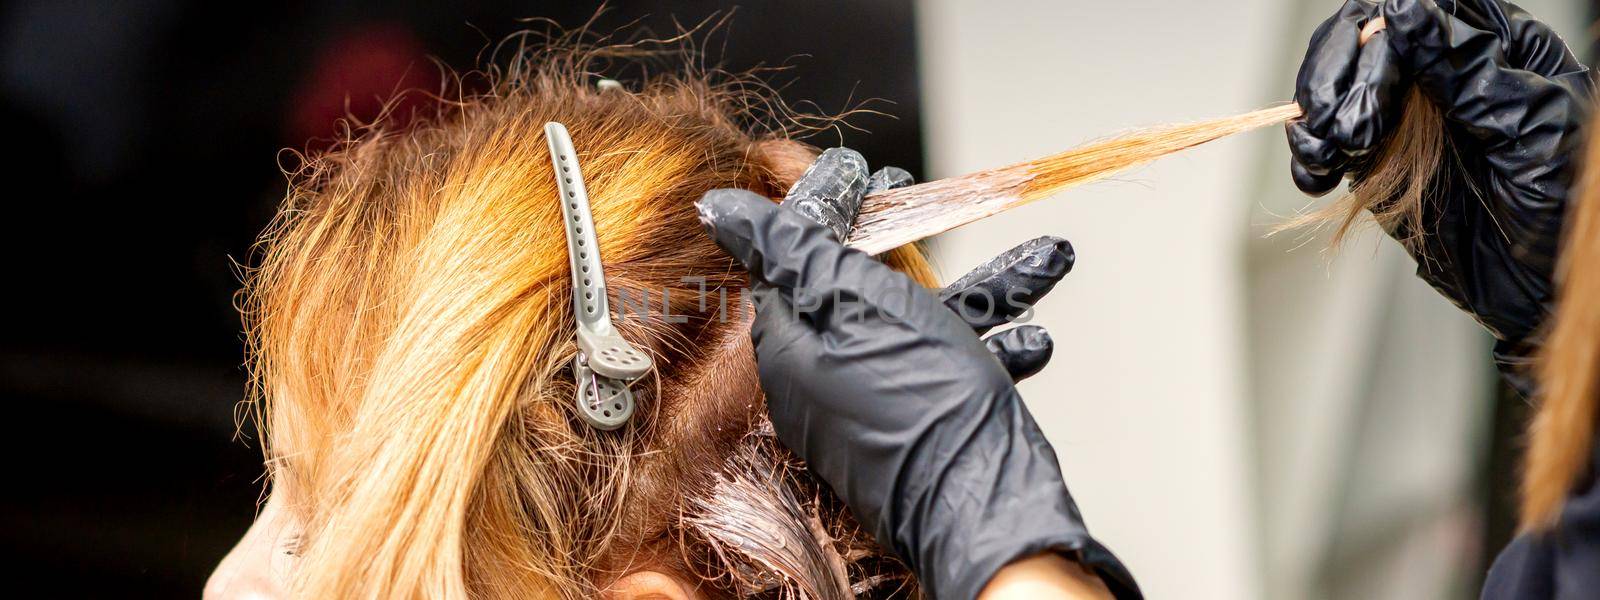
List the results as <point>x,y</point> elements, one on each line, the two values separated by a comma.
<point>1395,183</point>
<point>1561,434</point>
<point>409,327</point>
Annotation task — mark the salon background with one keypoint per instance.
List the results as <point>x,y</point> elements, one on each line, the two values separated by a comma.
<point>144,140</point>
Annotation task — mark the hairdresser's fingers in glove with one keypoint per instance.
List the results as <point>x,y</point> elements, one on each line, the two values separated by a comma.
<point>1481,60</point>
<point>1006,287</point>
<point>1023,351</point>
<point>1009,284</point>
<point>893,401</point>
<point>1511,85</point>
<point>831,189</point>
<point>1514,99</point>
<point>823,288</point>
<point>888,178</point>
<point>830,192</point>
<point>1002,289</point>
<point>1348,93</point>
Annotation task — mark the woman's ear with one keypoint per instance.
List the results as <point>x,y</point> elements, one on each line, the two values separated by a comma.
<point>649,585</point>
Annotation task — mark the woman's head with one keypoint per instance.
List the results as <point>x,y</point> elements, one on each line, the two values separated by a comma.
<point>411,331</point>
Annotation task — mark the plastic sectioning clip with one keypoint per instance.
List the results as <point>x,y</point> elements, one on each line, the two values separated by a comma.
<point>606,364</point>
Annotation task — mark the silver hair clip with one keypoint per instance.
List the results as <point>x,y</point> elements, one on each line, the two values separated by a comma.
<point>606,364</point>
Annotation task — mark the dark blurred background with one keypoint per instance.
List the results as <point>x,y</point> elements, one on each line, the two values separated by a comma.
<point>145,139</point>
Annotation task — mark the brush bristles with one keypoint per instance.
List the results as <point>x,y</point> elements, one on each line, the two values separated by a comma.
<point>897,217</point>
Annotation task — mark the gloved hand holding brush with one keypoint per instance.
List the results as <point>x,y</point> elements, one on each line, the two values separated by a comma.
<point>1513,99</point>
<point>890,396</point>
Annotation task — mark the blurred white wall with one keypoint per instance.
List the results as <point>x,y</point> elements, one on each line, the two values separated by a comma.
<point>1147,399</point>
<point>1238,416</point>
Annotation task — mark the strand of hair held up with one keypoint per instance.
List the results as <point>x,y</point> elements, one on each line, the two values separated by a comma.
<point>901,216</point>
<point>1394,185</point>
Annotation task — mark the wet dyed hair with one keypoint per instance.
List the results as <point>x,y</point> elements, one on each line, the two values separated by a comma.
<point>410,327</point>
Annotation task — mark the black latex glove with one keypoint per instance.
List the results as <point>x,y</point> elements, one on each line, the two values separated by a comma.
<point>1003,289</point>
<point>892,399</point>
<point>1514,98</point>
<point>830,193</point>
